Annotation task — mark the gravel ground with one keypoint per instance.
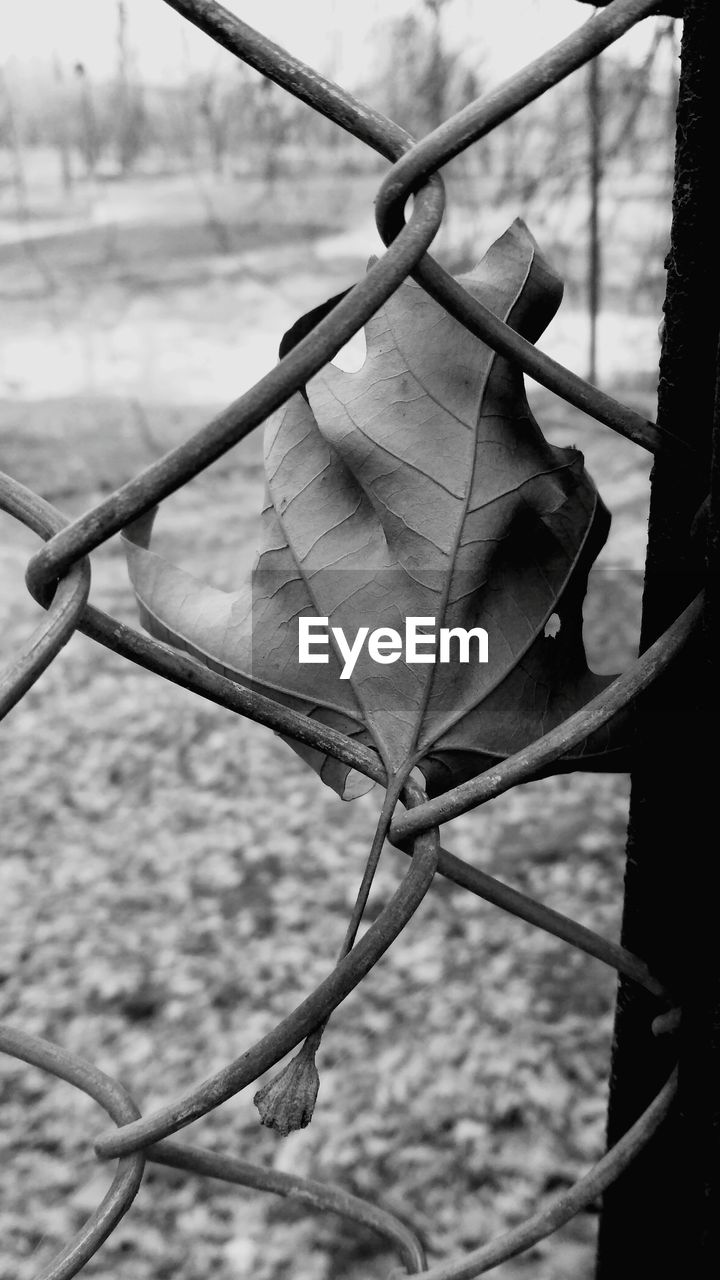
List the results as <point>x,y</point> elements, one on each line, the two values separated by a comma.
<point>173,881</point>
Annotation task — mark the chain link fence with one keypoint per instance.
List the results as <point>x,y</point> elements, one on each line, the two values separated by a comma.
<point>58,576</point>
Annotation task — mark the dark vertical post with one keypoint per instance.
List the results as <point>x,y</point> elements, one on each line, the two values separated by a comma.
<point>662,1218</point>
<point>594,100</point>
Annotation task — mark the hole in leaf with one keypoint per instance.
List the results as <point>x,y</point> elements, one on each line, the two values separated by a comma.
<point>351,357</point>
<point>356,784</point>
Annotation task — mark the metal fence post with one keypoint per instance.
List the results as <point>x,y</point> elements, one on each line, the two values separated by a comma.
<point>661,1217</point>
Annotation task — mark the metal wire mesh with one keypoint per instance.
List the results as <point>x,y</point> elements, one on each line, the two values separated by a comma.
<point>58,576</point>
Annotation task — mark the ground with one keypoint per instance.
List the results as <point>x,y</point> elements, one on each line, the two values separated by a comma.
<point>174,880</point>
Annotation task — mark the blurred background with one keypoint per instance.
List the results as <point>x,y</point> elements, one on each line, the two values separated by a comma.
<point>173,881</point>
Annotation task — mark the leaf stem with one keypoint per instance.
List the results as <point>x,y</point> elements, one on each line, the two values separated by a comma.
<point>392,795</point>
<point>394,790</point>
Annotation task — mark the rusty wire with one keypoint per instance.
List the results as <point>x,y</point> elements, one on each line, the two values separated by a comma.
<point>58,576</point>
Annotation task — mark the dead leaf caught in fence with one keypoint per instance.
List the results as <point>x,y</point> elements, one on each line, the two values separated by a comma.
<point>419,487</point>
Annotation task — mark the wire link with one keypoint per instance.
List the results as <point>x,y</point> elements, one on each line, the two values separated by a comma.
<point>58,576</point>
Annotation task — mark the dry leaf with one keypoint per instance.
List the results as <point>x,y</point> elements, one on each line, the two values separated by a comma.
<point>418,487</point>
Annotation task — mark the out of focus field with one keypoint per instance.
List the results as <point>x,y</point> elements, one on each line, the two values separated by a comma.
<point>172,879</point>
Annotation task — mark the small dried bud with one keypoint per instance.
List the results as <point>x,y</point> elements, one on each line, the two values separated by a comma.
<point>287,1102</point>
<point>666,1024</point>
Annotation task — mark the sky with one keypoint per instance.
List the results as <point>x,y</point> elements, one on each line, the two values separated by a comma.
<point>334,35</point>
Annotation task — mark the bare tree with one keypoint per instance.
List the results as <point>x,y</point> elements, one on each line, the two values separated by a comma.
<point>215,110</point>
<point>272,129</point>
<point>437,67</point>
<point>62,125</point>
<point>130,110</point>
<point>10,137</point>
<point>89,140</point>
<point>422,80</point>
